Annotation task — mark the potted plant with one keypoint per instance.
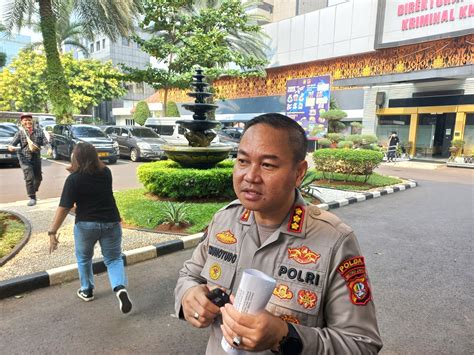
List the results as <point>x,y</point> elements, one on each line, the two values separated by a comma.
<point>455,148</point>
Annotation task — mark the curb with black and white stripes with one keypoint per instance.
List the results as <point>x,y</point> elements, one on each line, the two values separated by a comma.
<point>367,195</point>
<point>59,275</point>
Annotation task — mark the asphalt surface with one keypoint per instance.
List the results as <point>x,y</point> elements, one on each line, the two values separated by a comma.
<point>418,248</point>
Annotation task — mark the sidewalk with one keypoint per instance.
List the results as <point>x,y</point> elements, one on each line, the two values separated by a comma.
<point>33,262</point>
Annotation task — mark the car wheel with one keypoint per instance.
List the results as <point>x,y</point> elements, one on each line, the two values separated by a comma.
<point>112,160</point>
<point>134,155</point>
<point>55,154</point>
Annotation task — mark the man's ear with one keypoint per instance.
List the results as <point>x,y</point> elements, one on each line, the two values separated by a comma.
<point>301,169</point>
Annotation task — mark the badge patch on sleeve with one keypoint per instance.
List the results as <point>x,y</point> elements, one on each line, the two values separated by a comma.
<point>353,271</point>
<point>307,299</point>
<point>290,319</point>
<point>226,237</point>
<point>283,292</point>
<point>303,255</point>
<point>215,271</point>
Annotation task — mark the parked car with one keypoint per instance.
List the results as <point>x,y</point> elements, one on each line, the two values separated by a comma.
<point>65,136</point>
<point>7,132</point>
<point>137,142</point>
<point>229,140</point>
<point>170,131</point>
<point>232,132</point>
<point>47,130</point>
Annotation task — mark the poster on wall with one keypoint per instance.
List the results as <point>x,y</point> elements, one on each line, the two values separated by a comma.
<point>306,100</point>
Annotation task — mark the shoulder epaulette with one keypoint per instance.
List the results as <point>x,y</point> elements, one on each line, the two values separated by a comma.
<point>330,218</point>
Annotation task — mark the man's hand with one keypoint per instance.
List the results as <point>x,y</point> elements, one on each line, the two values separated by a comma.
<point>53,242</point>
<point>257,332</point>
<point>197,308</point>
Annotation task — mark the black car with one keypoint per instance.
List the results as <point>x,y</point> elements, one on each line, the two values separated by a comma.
<point>65,136</point>
<point>137,142</point>
<point>230,136</point>
<point>7,132</point>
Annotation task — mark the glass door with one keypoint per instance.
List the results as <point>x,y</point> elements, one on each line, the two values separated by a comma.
<point>434,134</point>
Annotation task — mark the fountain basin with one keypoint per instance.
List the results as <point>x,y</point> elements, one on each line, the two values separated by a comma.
<point>197,157</point>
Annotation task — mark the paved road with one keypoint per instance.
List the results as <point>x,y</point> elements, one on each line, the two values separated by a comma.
<point>418,246</point>
<point>13,189</point>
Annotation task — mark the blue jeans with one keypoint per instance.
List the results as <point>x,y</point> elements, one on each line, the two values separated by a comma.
<point>109,235</point>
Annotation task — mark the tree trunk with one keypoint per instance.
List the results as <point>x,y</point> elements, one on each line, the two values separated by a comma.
<point>165,101</point>
<point>58,88</point>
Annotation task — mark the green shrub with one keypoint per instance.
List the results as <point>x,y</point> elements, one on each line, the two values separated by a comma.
<point>142,112</point>
<point>368,139</point>
<point>354,138</point>
<point>334,137</point>
<point>346,161</point>
<point>172,109</point>
<point>168,179</point>
<point>324,143</point>
<point>345,144</point>
<point>175,213</point>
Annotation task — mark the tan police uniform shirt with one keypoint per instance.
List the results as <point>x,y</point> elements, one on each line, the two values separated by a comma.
<point>322,284</point>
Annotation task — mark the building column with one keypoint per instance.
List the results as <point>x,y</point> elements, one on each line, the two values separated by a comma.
<point>459,125</point>
<point>412,133</point>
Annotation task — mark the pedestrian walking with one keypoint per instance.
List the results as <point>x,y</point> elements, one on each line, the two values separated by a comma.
<point>393,142</point>
<point>30,139</point>
<point>322,302</point>
<point>89,188</point>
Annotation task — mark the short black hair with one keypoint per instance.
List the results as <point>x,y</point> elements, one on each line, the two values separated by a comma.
<point>296,134</point>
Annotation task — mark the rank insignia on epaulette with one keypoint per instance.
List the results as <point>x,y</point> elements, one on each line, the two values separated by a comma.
<point>215,271</point>
<point>295,224</point>
<point>226,237</point>
<point>289,318</point>
<point>307,299</point>
<point>245,216</point>
<point>283,292</point>
<point>303,255</point>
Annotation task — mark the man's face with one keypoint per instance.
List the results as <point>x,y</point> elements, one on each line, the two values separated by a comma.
<point>27,122</point>
<point>265,176</point>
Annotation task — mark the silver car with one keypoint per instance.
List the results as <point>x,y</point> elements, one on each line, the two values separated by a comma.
<point>137,142</point>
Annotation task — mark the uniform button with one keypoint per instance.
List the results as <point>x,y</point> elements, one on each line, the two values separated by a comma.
<point>314,211</point>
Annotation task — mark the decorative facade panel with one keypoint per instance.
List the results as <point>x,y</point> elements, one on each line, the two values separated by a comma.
<point>454,52</point>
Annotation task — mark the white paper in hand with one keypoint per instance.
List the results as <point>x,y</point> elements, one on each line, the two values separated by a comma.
<point>253,294</point>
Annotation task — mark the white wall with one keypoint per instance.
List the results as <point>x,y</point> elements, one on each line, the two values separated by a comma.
<point>344,29</point>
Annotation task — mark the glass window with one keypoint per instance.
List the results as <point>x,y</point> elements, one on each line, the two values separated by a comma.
<point>166,130</point>
<point>143,132</point>
<point>130,122</point>
<point>91,48</point>
<point>87,131</point>
<point>125,42</point>
<point>103,43</point>
<point>469,135</point>
<point>97,46</point>
<point>398,123</point>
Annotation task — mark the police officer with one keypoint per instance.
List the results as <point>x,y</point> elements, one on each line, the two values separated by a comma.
<point>30,139</point>
<point>322,302</point>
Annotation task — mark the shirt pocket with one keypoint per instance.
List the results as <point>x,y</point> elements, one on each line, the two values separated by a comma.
<point>220,267</point>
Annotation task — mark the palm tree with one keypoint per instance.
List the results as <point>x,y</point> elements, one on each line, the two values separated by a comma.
<point>3,56</point>
<point>111,18</point>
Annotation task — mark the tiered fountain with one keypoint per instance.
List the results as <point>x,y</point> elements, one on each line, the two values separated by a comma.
<point>199,153</point>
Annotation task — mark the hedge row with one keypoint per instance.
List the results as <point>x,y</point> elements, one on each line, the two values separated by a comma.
<point>168,179</point>
<point>347,161</point>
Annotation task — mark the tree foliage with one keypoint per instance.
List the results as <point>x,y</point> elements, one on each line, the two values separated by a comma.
<point>334,117</point>
<point>23,85</point>
<point>219,36</point>
<point>142,112</point>
<point>112,18</point>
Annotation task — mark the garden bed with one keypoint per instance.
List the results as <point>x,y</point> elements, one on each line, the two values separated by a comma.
<point>14,233</point>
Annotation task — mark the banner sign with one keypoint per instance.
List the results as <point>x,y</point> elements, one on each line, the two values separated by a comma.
<point>306,100</point>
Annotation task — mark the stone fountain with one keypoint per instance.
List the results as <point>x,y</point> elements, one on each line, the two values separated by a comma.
<point>199,153</point>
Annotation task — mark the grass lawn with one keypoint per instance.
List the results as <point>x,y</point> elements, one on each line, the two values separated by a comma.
<point>11,232</point>
<point>140,210</point>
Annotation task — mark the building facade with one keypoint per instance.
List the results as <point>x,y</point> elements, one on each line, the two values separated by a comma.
<point>123,51</point>
<point>404,66</point>
<point>11,45</point>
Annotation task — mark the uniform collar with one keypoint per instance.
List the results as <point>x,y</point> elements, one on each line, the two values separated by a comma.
<point>294,223</point>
